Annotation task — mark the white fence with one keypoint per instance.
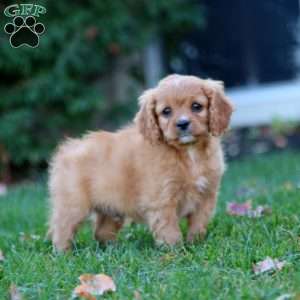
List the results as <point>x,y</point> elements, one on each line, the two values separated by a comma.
<point>259,105</point>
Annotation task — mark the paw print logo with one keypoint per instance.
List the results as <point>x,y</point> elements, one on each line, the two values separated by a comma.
<point>24,31</point>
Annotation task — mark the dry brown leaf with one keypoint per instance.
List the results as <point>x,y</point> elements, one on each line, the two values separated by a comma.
<point>245,209</point>
<point>239,209</point>
<point>14,293</point>
<point>1,256</point>
<point>268,264</point>
<point>259,211</point>
<point>93,285</point>
<point>83,292</point>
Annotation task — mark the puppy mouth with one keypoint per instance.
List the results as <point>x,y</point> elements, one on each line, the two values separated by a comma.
<point>182,138</point>
<point>186,138</point>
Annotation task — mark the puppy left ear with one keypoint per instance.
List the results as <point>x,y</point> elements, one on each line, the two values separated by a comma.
<point>146,118</point>
<point>220,107</point>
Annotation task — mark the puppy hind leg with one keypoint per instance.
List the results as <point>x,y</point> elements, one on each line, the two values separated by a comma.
<point>64,223</point>
<point>106,227</point>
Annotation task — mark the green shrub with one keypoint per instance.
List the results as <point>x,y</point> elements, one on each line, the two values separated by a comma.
<point>53,90</point>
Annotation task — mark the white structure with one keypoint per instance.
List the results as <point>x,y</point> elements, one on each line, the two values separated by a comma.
<point>255,104</point>
<point>259,105</point>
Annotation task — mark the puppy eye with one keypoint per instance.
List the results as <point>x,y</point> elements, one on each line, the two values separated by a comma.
<point>196,107</point>
<point>166,111</point>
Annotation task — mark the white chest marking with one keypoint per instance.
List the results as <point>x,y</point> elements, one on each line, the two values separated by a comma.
<point>192,152</point>
<point>201,184</point>
<point>193,155</point>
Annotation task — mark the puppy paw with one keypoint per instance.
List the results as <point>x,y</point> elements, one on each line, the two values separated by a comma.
<point>169,238</point>
<point>195,236</point>
<point>61,246</point>
<point>58,250</point>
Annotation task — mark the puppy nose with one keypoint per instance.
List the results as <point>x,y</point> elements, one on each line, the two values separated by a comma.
<point>182,124</point>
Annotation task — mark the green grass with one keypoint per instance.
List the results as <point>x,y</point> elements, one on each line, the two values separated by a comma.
<point>218,268</point>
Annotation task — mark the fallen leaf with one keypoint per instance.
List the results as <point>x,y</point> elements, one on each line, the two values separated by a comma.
<point>93,285</point>
<point>268,264</point>
<point>259,211</point>
<point>239,209</point>
<point>14,293</point>
<point>245,209</point>
<point>83,292</point>
<point>3,189</point>
<point>1,256</point>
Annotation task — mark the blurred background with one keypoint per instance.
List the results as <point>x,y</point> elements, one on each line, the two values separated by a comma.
<point>96,57</point>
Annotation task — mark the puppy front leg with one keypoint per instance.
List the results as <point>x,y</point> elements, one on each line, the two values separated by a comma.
<point>164,226</point>
<point>199,219</point>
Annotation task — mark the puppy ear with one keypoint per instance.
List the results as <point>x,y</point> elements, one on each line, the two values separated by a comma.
<point>220,107</point>
<point>146,118</point>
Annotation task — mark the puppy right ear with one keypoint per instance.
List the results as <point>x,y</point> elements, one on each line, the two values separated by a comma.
<point>146,118</point>
<point>220,107</point>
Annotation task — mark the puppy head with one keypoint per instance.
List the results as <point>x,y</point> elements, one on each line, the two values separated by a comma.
<point>182,109</point>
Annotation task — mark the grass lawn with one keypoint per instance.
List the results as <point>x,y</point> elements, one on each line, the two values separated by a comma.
<point>218,268</point>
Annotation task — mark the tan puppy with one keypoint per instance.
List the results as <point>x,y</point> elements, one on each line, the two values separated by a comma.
<point>165,166</point>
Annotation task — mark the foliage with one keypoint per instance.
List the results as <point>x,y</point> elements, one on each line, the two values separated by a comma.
<point>280,126</point>
<point>53,90</point>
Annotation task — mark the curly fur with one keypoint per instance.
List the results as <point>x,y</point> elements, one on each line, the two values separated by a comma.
<point>220,108</point>
<point>146,119</point>
<point>150,171</point>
